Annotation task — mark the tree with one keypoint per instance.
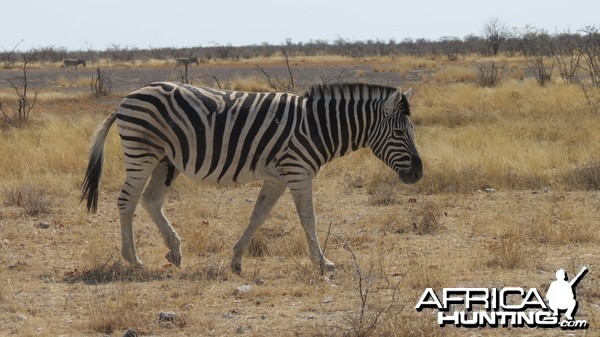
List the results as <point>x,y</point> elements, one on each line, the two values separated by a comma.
<point>452,47</point>
<point>495,33</point>
<point>537,51</point>
<point>567,51</point>
<point>591,53</point>
<point>25,102</point>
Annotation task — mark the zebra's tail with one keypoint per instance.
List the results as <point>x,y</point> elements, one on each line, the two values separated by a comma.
<point>91,182</point>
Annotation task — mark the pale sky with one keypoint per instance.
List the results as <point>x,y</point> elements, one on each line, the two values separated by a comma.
<point>82,25</point>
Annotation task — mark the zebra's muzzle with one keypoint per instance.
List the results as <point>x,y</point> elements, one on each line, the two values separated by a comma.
<point>414,173</point>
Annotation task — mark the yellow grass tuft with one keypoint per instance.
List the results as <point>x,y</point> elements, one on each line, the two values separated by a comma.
<point>455,73</point>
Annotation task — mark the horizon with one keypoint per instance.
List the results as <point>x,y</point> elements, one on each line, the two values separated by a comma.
<point>147,25</point>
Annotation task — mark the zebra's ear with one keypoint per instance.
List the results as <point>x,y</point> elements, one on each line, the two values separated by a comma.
<point>407,94</point>
<point>392,102</point>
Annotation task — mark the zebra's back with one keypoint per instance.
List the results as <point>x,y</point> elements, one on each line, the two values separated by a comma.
<point>213,136</point>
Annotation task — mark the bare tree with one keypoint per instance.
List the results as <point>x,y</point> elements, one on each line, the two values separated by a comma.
<point>25,103</point>
<point>101,84</point>
<point>537,52</point>
<point>7,58</point>
<point>495,33</point>
<point>591,53</point>
<point>452,46</point>
<point>276,83</point>
<point>567,51</point>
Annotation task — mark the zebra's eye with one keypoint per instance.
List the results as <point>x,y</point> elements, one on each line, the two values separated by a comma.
<point>398,133</point>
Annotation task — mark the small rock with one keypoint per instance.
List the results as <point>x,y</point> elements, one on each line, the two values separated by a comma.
<point>243,289</point>
<point>43,225</point>
<point>130,333</point>
<point>171,319</point>
<point>328,300</point>
<point>22,317</point>
<point>187,306</point>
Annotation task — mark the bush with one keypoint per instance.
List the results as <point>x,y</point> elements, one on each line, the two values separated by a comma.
<point>490,74</point>
<point>586,177</point>
<point>33,201</point>
<point>429,219</point>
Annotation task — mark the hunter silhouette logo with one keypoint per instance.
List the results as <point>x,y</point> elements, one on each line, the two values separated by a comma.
<point>508,306</point>
<point>561,293</point>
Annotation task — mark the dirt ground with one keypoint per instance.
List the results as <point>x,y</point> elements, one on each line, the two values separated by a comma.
<point>67,278</point>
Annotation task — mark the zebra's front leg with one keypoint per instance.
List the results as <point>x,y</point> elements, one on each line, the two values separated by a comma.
<point>268,196</point>
<point>302,194</point>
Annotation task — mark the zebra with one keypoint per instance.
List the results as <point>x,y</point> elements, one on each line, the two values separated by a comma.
<point>72,63</point>
<point>222,137</point>
<point>186,61</point>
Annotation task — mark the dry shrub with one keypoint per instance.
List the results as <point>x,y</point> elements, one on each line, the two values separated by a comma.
<point>428,219</point>
<point>508,251</point>
<point>425,274</point>
<point>294,243</point>
<point>557,227</point>
<point>352,182</point>
<point>382,189</point>
<point>215,270</point>
<point>586,177</point>
<point>385,195</point>
<point>116,310</point>
<point>490,74</point>
<point>258,245</point>
<point>34,201</point>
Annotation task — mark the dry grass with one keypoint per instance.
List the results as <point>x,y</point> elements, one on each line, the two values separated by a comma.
<point>532,145</point>
<point>454,73</point>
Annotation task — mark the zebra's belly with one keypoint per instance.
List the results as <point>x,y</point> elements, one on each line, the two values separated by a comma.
<point>218,178</point>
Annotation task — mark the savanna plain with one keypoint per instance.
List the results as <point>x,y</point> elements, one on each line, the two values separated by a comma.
<point>509,196</point>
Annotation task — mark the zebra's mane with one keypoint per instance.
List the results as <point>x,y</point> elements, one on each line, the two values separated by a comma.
<point>353,91</point>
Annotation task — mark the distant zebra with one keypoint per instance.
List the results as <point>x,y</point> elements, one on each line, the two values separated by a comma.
<point>186,61</point>
<point>72,63</point>
<point>229,137</point>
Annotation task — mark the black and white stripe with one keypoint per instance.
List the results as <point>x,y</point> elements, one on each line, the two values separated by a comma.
<point>230,137</point>
<point>72,63</point>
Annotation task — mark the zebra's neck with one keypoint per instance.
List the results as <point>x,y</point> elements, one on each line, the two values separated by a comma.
<point>340,118</point>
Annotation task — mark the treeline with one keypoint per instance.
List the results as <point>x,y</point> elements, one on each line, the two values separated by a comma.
<point>568,51</point>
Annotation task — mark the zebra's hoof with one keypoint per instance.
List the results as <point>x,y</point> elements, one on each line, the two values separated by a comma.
<point>175,259</point>
<point>236,267</point>
<point>328,265</point>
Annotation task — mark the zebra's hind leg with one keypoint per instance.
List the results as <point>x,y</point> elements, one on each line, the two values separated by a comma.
<point>267,197</point>
<point>137,174</point>
<point>154,195</point>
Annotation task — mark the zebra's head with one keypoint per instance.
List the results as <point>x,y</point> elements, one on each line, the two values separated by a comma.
<point>393,140</point>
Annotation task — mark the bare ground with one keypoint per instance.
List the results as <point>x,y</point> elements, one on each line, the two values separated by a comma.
<point>67,279</point>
